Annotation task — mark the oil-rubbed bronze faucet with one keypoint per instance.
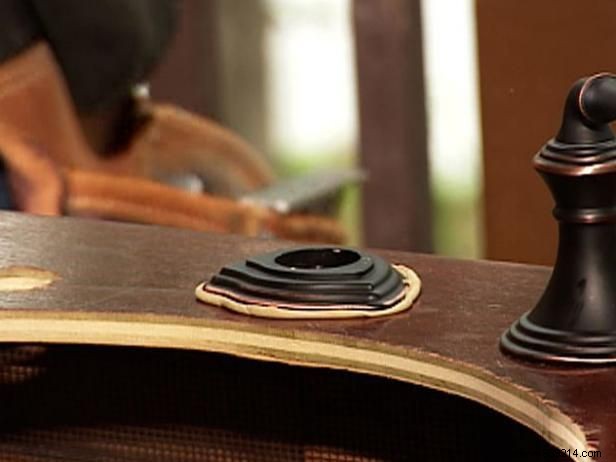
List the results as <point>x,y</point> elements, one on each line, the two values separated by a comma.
<point>575,319</point>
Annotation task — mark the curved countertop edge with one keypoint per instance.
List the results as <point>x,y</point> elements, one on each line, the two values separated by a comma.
<point>266,343</point>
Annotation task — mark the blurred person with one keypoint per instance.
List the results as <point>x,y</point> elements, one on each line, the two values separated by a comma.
<point>77,138</point>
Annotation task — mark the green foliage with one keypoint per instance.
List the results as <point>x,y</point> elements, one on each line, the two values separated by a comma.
<point>456,227</point>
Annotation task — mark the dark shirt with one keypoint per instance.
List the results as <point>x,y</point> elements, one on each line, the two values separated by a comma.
<point>104,47</point>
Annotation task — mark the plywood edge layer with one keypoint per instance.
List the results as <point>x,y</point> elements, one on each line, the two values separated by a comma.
<point>525,406</point>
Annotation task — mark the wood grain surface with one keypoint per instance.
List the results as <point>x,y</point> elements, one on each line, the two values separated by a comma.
<point>134,285</point>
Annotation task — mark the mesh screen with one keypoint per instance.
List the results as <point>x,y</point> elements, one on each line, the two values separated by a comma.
<point>76,403</point>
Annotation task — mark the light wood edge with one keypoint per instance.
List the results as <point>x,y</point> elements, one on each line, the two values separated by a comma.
<point>263,343</point>
<point>409,277</point>
<point>18,278</point>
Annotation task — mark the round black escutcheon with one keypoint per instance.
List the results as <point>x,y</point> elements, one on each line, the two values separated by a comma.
<point>313,278</point>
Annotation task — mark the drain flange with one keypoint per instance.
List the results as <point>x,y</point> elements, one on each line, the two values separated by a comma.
<point>313,282</point>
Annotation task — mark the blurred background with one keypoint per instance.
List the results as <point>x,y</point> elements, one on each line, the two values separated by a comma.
<point>284,74</point>
<point>442,102</point>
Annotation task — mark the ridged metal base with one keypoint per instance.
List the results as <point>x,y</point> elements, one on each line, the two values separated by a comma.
<point>528,340</point>
<point>313,277</point>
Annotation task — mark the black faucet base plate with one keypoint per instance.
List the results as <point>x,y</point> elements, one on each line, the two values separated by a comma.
<point>528,340</point>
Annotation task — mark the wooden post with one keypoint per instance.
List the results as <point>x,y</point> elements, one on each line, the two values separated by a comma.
<point>396,198</point>
<point>243,69</point>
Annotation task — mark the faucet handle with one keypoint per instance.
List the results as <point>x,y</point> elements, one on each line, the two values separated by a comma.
<point>589,108</point>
